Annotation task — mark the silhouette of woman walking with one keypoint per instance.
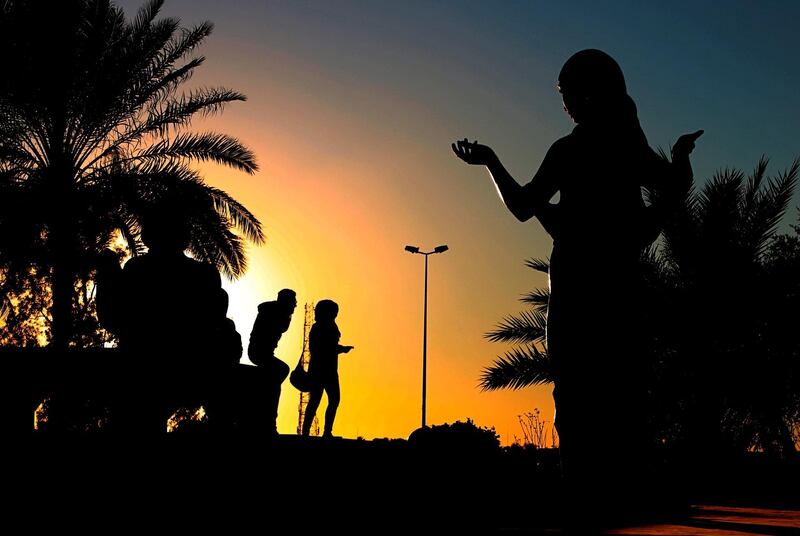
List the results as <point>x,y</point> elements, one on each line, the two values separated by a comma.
<point>599,227</point>
<point>323,366</point>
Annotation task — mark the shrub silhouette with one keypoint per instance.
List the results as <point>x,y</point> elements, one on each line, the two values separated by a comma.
<point>460,436</point>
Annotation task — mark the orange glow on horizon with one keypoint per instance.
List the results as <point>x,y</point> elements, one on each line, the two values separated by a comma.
<point>336,226</point>
<point>344,184</point>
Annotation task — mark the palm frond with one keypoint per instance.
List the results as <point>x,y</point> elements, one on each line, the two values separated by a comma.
<point>163,77</point>
<point>518,368</point>
<point>145,53</point>
<point>212,241</point>
<point>771,207</point>
<point>539,298</point>
<point>656,266</point>
<point>156,92</point>
<point>184,44</point>
<point>720,221</point>
<point>145,15</point>
<point>720,199</point>
<point>539,265</point>
<point>526,327</point>
<point>178,112</point>
<point>219,148</point>
<point>753,185</point>
<point>244,220</point>
<point>205,101</point>
<point>131,231</point>
<point>680,238</point>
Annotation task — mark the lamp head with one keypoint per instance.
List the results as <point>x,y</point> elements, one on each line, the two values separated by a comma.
<point>440,249</point>
<point>412,249</point>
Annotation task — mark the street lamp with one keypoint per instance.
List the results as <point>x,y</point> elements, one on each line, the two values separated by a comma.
<point>415,249</point>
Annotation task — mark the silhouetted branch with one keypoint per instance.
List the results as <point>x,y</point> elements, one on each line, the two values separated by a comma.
<point>218,148</point>
<point>538,265</point>
<point>527,327</point>
<point>539,298</point>
<point>520,367</point>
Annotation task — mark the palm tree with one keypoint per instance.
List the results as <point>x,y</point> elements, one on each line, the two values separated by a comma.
<point>720,279</point>
<point>93,131</point>
<point>721,327</point>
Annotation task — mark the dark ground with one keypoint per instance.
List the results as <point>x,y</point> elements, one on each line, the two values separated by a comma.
<point>79,482</point>
<point>292,485</point>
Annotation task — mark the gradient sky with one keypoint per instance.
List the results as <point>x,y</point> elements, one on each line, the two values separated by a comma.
<point>352,107</point>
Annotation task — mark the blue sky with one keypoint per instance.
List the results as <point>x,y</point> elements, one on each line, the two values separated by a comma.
<point>728,67</point>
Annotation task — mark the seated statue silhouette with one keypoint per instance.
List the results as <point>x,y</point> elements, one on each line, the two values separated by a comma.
<point>274,318</point>
<point>168,312</point>
<point>220,380</point>
<point>599,227</point>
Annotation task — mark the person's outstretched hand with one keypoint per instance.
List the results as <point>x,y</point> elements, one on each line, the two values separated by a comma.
<point>473,152</point>
<point>685,145</point>
<point>346,349</point>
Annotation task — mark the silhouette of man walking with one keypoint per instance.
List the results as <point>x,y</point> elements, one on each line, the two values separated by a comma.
<point>271,323</point>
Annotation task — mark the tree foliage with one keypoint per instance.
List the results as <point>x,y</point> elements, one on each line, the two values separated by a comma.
<point>94,131</point>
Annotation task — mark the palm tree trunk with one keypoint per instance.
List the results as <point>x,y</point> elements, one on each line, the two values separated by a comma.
<point>63,275</point>
<point>63,291</point>
<point>63,240</point>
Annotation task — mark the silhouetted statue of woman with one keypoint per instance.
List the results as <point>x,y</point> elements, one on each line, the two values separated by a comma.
<point>599,227</point>
<point>323,366</point>
<point>168,312</point>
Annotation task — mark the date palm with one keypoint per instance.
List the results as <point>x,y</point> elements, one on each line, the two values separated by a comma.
<point>721,326</point>
<point>94,129</point>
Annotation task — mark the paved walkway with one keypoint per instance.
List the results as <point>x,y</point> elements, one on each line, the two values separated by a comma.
<point>725,521</point>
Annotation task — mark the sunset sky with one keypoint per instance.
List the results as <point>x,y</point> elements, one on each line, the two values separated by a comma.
<point>352,108</point>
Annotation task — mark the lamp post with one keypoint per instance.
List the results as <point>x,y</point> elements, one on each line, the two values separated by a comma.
<point>415,249</point>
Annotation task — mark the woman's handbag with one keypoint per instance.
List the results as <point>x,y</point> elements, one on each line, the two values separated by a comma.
<point>300,378</point>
